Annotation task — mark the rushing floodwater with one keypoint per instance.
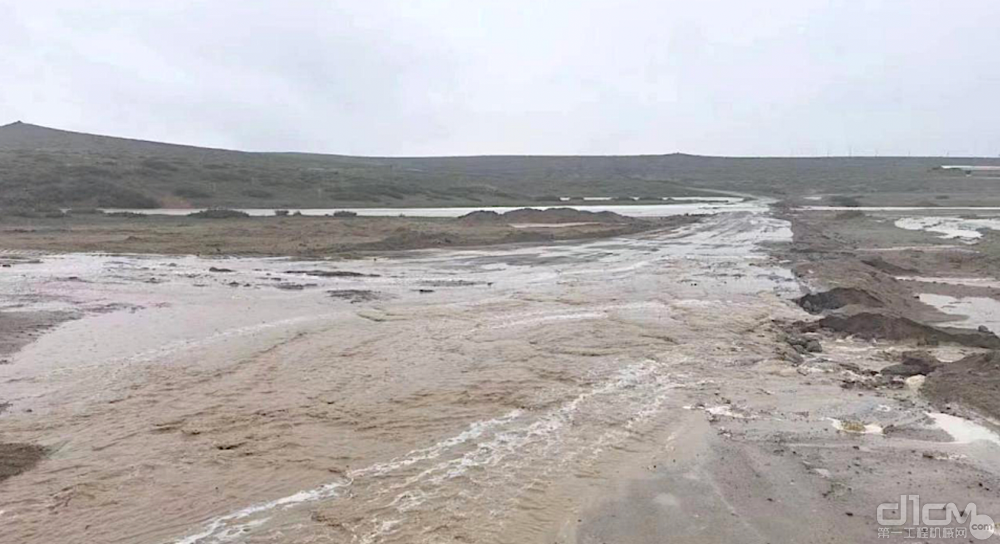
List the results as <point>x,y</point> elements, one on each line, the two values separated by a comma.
<point>477,398</point>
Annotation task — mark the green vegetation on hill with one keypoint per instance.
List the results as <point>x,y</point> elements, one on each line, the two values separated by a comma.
<point>43,167</point>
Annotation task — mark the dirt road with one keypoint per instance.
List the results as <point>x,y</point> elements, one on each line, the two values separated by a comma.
<point>623,390</point>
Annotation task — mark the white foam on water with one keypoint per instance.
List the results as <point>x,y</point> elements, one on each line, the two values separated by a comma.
<point>962,430</point>
<point>221,528</point>
<point>724,410</point>
<point>507,444</point>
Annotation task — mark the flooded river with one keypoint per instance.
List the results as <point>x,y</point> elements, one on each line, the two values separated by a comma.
<point>431,396</point>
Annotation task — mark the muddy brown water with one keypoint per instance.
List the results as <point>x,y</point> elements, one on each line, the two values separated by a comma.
<point>210,408</point>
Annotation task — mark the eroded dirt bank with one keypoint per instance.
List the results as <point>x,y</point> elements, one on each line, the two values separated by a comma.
<point>307,236</point>
<point>637,389</point>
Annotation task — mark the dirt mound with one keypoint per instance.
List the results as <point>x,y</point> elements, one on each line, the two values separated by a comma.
<point>17,458</point>
<point>219,213</point>
<point>874,326</point>
<point>973,381</point>
<point>550,215</point>
<point>481,216</point>
<point>911,364</point>
<point>838,297</point>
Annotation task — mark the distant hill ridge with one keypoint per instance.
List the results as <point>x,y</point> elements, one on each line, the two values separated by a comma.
<point>41,166</point>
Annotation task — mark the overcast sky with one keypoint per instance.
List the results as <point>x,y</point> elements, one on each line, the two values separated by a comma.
<point>460,77</point>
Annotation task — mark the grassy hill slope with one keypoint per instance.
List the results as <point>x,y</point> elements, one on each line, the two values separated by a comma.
<point>47,167</point>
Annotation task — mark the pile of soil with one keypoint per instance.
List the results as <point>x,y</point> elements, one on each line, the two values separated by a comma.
<point>551,215</point>
<point>875,326</point>
<point>912,363</point>
<point>17,458</point>
<point>838,297</point>
<point>973,381</point>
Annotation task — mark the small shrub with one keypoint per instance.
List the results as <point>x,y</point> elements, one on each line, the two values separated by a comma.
<point>345,213</point>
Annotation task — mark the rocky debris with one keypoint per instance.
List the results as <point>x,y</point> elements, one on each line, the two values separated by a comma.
<point>876,326</point>
<point>17,458</point>
<point>973,381</point>
<point>294,286</point>
<point>353,296</point>
<point>220,270</point>
<point>331,273</point>
<point>983,328</point>
<point>838,297</point>
<point>912,363</point>
<point>803,344</point>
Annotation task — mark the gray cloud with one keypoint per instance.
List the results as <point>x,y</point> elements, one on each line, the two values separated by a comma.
<point>426,77</point>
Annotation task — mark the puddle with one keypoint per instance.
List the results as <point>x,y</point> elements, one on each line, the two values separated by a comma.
<point>855,427</point>
<point>976,311</point>
<point>920,248</point>
<point>971,282</point>
<point>962,430</point>
<point>950,227</point>
<point>898,208</point>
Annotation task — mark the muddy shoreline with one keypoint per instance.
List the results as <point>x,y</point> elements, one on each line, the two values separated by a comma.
<point>890,271</point>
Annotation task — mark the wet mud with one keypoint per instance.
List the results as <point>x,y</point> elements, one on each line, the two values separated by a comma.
<point>641,388</point>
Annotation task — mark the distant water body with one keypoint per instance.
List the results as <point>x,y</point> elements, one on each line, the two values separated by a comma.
<point>634,210</point>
